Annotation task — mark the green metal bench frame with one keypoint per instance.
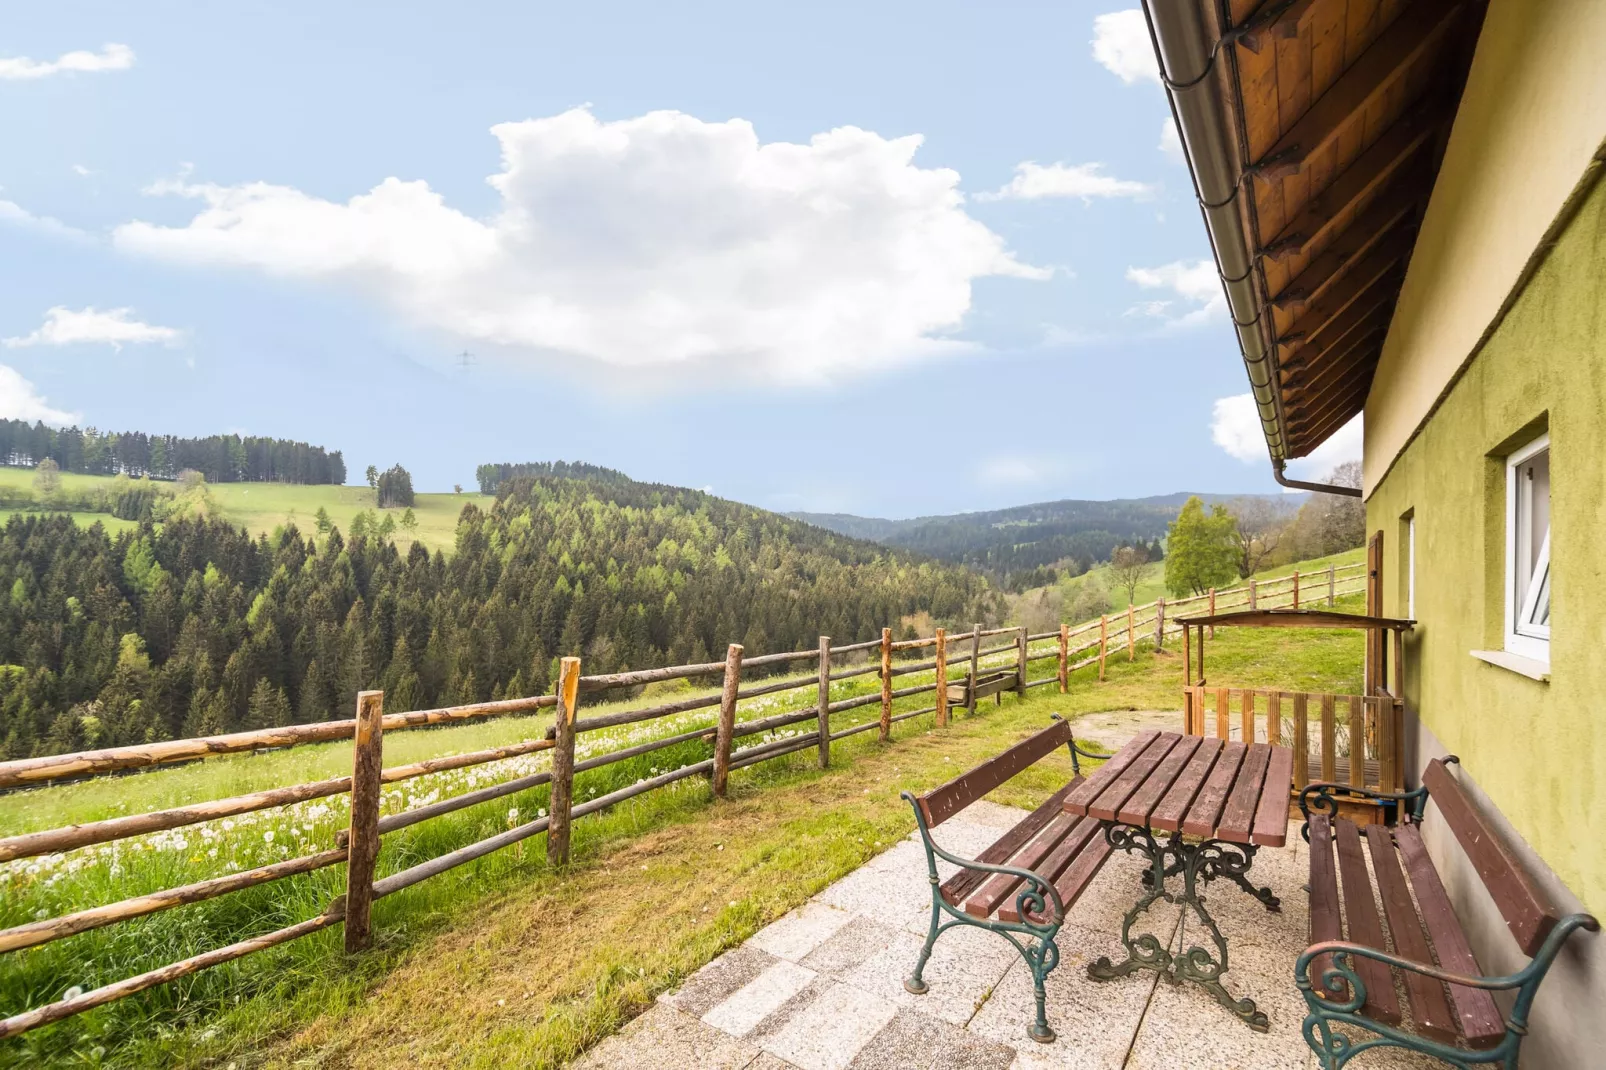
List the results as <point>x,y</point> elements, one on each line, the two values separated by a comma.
<point>1336,1049</point>
<point>1037,898</point>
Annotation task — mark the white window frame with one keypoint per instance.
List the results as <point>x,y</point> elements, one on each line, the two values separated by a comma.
<point>1410,566</point>
<point>1527,640</point>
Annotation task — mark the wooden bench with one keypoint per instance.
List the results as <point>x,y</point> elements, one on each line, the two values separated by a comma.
<point>1358,956</point>
<point>1025,881</point>
<point>993,683</point>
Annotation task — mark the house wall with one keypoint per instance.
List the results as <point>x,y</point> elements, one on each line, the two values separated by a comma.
<point>1536,751</point>
<point>1532,115</point>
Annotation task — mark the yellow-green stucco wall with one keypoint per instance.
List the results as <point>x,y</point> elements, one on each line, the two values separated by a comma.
<point>1537,749</point>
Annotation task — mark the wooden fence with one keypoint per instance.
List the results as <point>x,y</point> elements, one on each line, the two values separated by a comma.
<point>358,845</point>
<point>1355,740</point>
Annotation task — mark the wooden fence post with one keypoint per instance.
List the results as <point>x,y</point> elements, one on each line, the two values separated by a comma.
<point>1332,583</point>
<point>1065,657</point>
<point>825,702</point>
<point>1224,714</point>
<point>1104,636</point>
<point>1131,636</point>
<point>942,678</point>
<point>1212,613</point>
<point>886,684</point>
<point>975,665</point>
<point>1296,588</point>
<point>562,795</point>
<point>1301,739</point>
<point>1254,602</point>
<point>727,717</point>
<point>1020,671</point>
<point>362,842</point>
<point>1159,624</point>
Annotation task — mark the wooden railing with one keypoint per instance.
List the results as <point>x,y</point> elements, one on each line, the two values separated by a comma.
<point>1356,740</point>
<point>360,843</point>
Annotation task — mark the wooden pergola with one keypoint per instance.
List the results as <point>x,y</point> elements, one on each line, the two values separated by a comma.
<point>1299,618</point>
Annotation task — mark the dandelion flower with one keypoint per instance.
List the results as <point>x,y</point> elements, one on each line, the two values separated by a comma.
<point>267,837</point>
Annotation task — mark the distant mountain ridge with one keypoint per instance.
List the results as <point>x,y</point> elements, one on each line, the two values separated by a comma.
<point>1028,538</point>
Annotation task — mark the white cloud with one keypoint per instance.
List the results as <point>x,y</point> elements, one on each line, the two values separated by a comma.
<point>1122,46</point>
<point>648,242</point>
<point>1033,181</point>
<point>1012,469</point>
<point>1193,281</point>
<point>1235,427</point>
<point>111,57</point>
<point>13,214</point>
<point>20,401</point>
<point>90,326</point>
<point>81,171</point>
<point>1171,142</point>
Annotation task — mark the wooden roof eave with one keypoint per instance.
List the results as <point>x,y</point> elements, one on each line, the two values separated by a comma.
<point>1298,618</point>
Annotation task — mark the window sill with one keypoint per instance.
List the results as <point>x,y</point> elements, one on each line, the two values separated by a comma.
<point>1532,668</point>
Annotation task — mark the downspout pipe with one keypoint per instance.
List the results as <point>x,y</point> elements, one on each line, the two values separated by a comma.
<point>1186,48</point>
<point>1319,488</point>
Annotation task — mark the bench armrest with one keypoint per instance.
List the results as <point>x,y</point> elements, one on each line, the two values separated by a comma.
<point>1341,972</point>
<point>1319,797</point>
<point>1035,899</point>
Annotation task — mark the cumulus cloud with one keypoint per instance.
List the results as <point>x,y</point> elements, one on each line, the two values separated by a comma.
<point>1122,46</point>
<point>1033,181</point>
<point>1195,282</point>
<point>649,242</point>
<point>90,326</point>
<point>1171,142</point>
<point>20,401</point>
<point>1235,427</point>
<point>111,57</point>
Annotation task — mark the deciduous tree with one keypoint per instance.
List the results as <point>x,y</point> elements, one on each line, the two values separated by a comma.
<point>1200,549</point>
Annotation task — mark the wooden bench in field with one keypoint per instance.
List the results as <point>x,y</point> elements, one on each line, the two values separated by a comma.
<point>993,683</point>
<point>1349,974</point>
<point>1025,881</point>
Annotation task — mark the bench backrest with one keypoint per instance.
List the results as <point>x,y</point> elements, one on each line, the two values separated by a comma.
<point>941,803</point>
<point>1529,913</point>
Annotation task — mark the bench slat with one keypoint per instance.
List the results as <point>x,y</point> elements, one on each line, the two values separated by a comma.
<point>1074,881</point>
<point>1078,801</point>
<point>1169,814</point>
<point>1360,913</point>
<point>1136,809</point>
<point>1528,912</point>
<point>1108,804</point>
<point>1324,916</point>
<point>961,884</point>
<point>1271,819</point>
<point>1001,886</point>
<point>1429,1008</point>
<point>944,802</point>
<point>1481,1022</point>
<point>1206,808</point>
<point>1238,816</point>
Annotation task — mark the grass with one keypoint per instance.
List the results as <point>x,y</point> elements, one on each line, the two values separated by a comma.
<point>505,961</point>
<point>1153,584</point>
<point>260,507</point>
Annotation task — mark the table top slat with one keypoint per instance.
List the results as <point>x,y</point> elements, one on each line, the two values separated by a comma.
<point>1271,818</point>
<point>1105,807</point>
<point>1137,808</point>
<point>1173,806</point>
<point>1080,799</point>
<point>1238,816</point>
<point>1206,808</point>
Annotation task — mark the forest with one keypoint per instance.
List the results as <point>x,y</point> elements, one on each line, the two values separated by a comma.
<point>193,627</point>
<point>219,458</point>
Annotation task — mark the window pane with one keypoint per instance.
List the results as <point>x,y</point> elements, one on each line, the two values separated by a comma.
<point>1540,613</point>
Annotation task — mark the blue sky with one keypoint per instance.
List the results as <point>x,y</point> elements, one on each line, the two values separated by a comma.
<point>757,248</point>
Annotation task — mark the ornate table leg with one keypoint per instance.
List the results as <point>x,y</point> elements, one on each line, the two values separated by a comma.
<point>1198,864</point>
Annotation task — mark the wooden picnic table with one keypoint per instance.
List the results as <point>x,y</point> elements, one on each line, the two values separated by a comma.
<point>1193,807</point>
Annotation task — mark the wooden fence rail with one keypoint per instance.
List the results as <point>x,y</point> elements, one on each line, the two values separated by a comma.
<point>360,844</point>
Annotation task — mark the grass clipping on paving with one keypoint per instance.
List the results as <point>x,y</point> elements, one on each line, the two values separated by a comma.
<point>507,962</point>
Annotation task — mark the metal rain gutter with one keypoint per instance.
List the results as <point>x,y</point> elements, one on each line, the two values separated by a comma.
<point>1186,49</point>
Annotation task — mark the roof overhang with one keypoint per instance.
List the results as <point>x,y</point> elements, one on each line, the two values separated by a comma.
<point>1298,618</point>
<point>1314,130</point>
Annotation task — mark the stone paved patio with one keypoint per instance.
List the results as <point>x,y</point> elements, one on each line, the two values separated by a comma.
<point>822,988</point>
